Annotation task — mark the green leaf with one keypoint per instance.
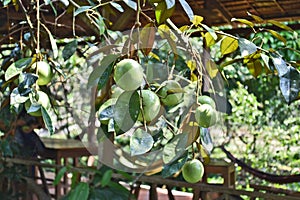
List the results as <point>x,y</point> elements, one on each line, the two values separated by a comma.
<point>131,4</point>
<point>175,148</point>
<point>101,25</point>
<point>106,178</point>
<point>117,6</point>
<point>47,119</point>
<point>230,62</point>
<point>187,8</point>
<point>229,45</point>
<point>81,10</point>
<point>140,142</point>
<point>162,13</point>
<point>105,76</point>
<point>255,67</point>
<point>172,168</point>
<point>277,35</point>
<point>81,191</point>
<point>106,110</point>
<point>59,175</point>
<point>165,32</point>
<point>243,21</point>
<point>26,81</point>
<point>290,85</point>
<point>246,47</point>
<point>280,65</point>
<point>52,41</point>
<point>126,110</point>
<point>16,68</point>
<point>69,49</point>
<point>99,70</point>
<point>280,25</point>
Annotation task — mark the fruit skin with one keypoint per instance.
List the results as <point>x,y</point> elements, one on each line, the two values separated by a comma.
<point>207,100</point>
<point>170,94</point>
<point>205,115</point>
<point>42,99</point>
<point>128,74</point>
<point>44,71</point>
<point>151,106</point>
<point>192,171</point>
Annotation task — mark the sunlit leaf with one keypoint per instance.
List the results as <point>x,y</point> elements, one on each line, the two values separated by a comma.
<point>126,110</point>
<point>99,70</point>
<point>206,139</point>
<point>230,62</point>
<point>47,119</point>
<point>197,20</point>
<point>52,41</point>
<point>69,49</point>
<point>175,148</point>
<point>187,8</point>
<point>255,67</point>
<point>243,21</point>
<point>162,13</point>
<point>81,10</point>
<point>290,84</point>
<point>170,3</point>
<point>117,6</point>
<point>280,25</point>
<point>209,40</point>
<point>255,17</point>
<point>17,67</point>
<point>131,4</point>
<point>17,98</point>
<point>211,31</point>
<point>140,142</point>
<point>277,35</point>
<point>246,47</point>
<point>228,45</point>
<point>280,65</point>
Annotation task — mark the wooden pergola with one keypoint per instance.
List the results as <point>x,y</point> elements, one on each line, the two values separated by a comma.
<point>215,12</point>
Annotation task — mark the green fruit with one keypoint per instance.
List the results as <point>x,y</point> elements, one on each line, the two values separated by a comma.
<point>34,108</point>
<point>44,72</point>
<point>205,115</point>
<point>151,106</point>
<point>171,93</point>
<point>207,100</point>
<point>192,171</point>
<point>128,74</point>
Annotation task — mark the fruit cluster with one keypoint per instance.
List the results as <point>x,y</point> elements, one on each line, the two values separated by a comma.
<point>153,97</point>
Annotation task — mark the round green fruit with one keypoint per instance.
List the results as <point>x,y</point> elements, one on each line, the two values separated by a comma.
<point>171,93</point>
<point>192,171</point>
<point>151,106</point>
<point>34,108</point>
<point>44,72</point>
<point>205,115</point>
<point>128,74</point>
<point>207,100</point>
